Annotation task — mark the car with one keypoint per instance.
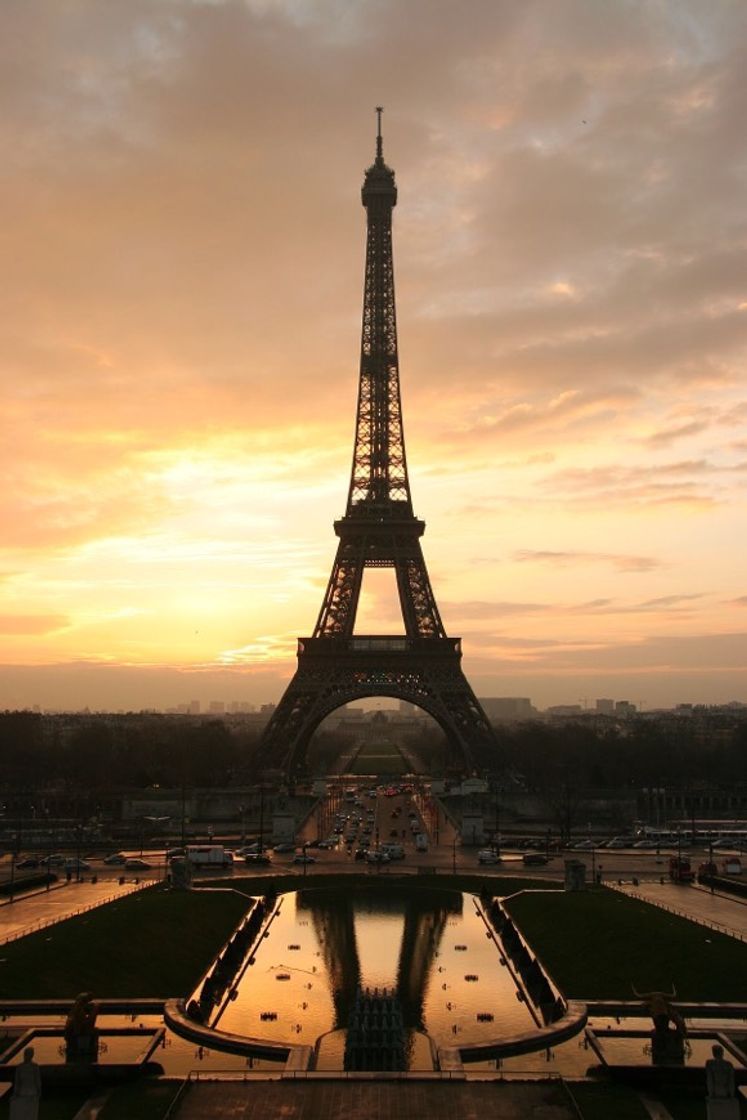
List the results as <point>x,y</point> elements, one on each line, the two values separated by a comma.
<point>360,853</point>
<point>486,855</point>
<point>646,844</point>
<point>303,858</point>
<point>284,847</point>
<point>135,863</point>
<point>118,859</point>
<point>76,865</point>
<point>586,846</point>
<point>332,843</point>
<point>377,857</point>
<point>534,859</point>
<point>55,860</point>
<point>28,864</point>
<point>257,858</point>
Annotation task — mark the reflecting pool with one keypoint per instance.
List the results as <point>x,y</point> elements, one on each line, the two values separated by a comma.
<point>431,947</point>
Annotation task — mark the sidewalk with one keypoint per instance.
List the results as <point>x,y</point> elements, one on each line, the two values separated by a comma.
<point>375,1100</point>
<point>729,915</point>
<point>62,900</point>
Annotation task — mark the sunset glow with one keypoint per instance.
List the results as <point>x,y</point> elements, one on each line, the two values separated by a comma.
<point>184,246</point>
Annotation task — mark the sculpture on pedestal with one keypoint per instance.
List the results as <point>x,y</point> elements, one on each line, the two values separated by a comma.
<point>24,1102</point>
<point>81,1035</point>
<point>721,1102</point>
<point>667,1042</point>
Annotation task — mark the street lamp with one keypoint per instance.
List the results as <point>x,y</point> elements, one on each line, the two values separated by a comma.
<point>497,834</point>
<point>453,854</point>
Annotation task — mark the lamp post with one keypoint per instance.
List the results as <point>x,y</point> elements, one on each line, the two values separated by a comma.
<point>242,811</point>
<point>497,835</point>
<point>453,855</point>
<point>262,822</point>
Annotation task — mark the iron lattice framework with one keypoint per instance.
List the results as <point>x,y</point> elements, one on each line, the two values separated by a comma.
<point>379,530</point>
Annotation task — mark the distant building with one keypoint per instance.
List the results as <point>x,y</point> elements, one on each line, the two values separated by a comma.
<point>564,710</point>
<point>625,708</point>
<point>605,707</point>
<point>194,707</point>
<point>216,707</point>
<point>507,707</point>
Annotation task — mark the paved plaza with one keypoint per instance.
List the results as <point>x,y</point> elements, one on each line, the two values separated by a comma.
<point>376,1100</point>
<point>62,900</point>
<point>723,912</point>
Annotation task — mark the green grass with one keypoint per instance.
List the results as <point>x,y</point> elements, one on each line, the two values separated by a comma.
<point>154,943</point>
<point>595,944</point>
<point>379,758</point>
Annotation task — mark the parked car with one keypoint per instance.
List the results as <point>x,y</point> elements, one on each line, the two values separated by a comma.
<point>534,859</point>
<point>28,864</point>
<point>360,853</point>
<point>377,857</point>
<point>55,860</point>
<point>118,859</point>
<point>285,846</point>
<point>76,865</point>
<point>303,858</point>
<point>257,858</point>
<point>331,843</point>
<point>135,863</point>
<point>486,855</point>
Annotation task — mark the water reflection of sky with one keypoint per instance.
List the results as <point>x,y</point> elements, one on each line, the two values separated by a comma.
<point>428,945</point>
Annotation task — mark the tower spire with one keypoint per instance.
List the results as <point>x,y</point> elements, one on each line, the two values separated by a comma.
<point>379,141</point>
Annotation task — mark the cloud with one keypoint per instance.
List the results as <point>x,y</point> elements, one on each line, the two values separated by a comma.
<point>621,563</point>
<point>667,436</point>
<point>181,319</point>
<point>32,624</point>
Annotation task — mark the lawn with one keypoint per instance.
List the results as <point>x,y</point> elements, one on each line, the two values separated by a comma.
<point>596,944</point>
<point>379,758</point>
<point>155,943</point>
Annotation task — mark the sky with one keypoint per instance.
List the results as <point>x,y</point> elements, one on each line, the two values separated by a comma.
<point>183,247</point>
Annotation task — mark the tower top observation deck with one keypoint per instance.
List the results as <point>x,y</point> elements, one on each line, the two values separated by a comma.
<point>379,186</point>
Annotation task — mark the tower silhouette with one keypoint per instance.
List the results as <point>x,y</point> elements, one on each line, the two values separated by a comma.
<point>379,530</point>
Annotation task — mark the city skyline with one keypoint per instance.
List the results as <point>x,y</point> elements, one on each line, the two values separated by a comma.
<point>187,242</point>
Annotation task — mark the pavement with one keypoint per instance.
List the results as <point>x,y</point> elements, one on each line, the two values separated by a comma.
<point>720,911</point>
<point>29,912</point>
<point>375,1100</point>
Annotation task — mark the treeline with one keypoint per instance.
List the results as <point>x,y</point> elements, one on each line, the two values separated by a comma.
<point>138,751</point>
<point>638,754</point>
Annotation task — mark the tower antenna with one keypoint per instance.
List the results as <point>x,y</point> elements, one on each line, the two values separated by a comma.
<point>379,144</point>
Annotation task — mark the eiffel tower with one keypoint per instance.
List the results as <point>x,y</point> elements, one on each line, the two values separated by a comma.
<point>378,530</point>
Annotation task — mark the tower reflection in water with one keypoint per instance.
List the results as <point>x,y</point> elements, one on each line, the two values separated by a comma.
<point>428,947</point>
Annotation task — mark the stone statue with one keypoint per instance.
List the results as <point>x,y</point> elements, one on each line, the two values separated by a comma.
<point>721,1102</point>
<point>81,1035</point>
<point>667,1043</point>
<point>24,1102</point>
